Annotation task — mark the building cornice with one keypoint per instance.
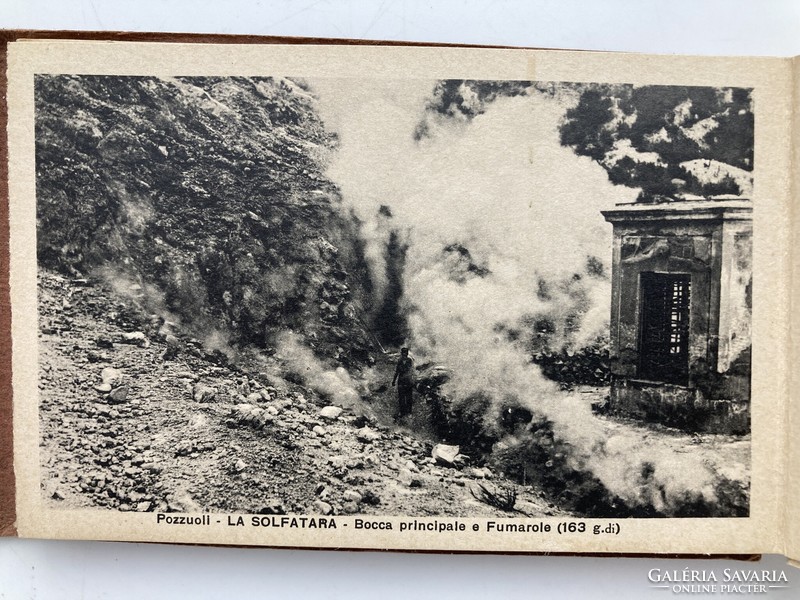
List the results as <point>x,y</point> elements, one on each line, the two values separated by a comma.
<point>695,210</point>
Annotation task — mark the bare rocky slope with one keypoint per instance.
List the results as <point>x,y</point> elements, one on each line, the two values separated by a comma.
<point>132,423</point>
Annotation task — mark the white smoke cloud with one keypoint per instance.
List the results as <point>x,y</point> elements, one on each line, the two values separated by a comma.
<point>500,185</point>
<point>528,210</point>
<point>334,384</point>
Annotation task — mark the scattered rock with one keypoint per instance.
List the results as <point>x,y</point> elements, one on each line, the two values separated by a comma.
<point>446,455</point>
<point>172,349</point>
<point>103,388</point>
<point>338,462</point>
<point>272,507</point>
<point>94,357</point>
<point>263,420</point>
<point>184,448</point>
<point>370,497</point>
<point>411,466</point>
<point>322,508</point>
<point>102,342</point>
<point>118,395</point>
<point>183,502</point>
<point>136,337</point>
<point>477,473</point>
<point>355,463</point>
<point>349,508</point>
<point>367,435</point>
<point>111,376</point>
<point>330,412</point>
<point>361,421</point>
<point>410,479</point>
<point>247,414</point>
<point>319,430</point>
<point>204,393</point>
<point>352,496</point>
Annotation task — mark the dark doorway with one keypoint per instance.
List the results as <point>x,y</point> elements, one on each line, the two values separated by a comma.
<point>664,327</point>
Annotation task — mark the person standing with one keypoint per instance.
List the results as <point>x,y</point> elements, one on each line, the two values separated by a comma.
<point>404,377</point>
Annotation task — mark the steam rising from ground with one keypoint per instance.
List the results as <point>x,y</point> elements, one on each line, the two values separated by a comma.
<point>151,298</point>
<point>523,214</point>
<point>334,384</point>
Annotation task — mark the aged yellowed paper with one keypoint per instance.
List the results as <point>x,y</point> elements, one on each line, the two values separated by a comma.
<point>401,298</point>
<point>792,544</point>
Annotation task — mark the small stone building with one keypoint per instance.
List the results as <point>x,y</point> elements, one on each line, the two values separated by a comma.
<point>681,312</point>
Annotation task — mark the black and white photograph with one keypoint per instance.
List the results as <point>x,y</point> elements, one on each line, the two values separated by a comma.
<point>286,295</point>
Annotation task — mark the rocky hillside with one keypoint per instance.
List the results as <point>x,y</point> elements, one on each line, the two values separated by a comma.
<point>133,423</point>
<point>209,194</point>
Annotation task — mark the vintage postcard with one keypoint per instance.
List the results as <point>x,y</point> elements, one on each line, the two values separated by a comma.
<point>401,298</point>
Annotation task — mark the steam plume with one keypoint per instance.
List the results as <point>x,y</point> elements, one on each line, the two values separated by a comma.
<point>334,384</point>
<point>499,220</point>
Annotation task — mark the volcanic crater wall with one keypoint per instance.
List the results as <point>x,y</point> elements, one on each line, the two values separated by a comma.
<point>206,193</point>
